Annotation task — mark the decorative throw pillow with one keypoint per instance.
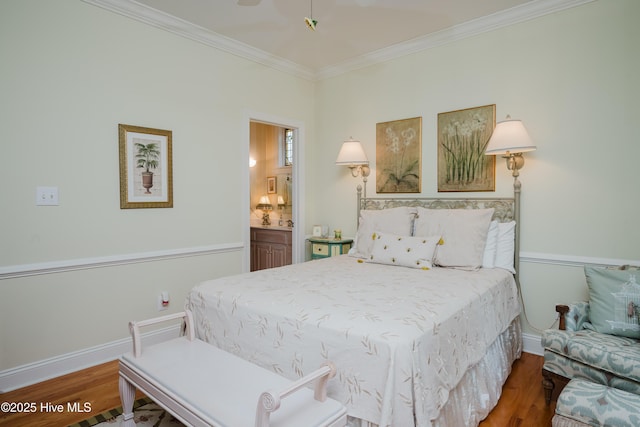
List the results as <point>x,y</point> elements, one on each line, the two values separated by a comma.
<point>614,300</point>
<point>394,220</point>
<point>406,251</point>
<point>463,231</point>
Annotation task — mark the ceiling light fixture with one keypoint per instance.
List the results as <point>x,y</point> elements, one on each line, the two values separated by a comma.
<point>311,23</point>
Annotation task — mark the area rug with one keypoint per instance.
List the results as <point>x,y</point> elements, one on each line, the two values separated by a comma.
<point>145,413</point>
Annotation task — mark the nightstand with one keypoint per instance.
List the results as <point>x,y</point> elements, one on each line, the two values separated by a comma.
<point>324,248</point>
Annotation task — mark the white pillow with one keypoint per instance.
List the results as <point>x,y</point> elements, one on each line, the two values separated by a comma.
<point>506,246</point>
<point>406,251</point>
<point>490,248</point>
<point>463,231</point>
<point>397,221</point>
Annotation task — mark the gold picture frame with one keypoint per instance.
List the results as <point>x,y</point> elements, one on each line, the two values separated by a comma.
<point>146,177</point>
<point>272,186</point>
<point>463,136</point>
<point>399,156</point>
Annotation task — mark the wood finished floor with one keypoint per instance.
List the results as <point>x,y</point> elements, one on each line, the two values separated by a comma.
<point>521,404</point>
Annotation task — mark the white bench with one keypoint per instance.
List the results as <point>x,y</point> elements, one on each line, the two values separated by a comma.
<point>202,385</point>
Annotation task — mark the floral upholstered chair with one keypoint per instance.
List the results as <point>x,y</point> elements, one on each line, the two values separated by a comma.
<point>598,340</point>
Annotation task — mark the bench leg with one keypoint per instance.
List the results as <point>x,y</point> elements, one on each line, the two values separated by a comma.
<point>127,395</point>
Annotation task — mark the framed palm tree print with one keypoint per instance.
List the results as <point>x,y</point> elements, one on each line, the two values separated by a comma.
<point>146,178</point>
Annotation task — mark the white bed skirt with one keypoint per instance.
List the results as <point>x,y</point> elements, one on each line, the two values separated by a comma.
<point>479,390</point>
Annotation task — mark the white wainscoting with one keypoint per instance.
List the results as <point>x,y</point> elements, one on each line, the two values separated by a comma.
<point>42,370</point>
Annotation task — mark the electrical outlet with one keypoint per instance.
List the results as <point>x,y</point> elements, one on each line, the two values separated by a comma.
<point>47,196</point>
<point>163,301</point>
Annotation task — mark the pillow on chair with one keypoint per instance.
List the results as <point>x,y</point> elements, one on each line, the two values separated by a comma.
<point>614,300</point>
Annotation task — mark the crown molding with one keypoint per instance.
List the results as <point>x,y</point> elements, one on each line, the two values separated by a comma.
<point>142,13</point>
<point>526,12</point>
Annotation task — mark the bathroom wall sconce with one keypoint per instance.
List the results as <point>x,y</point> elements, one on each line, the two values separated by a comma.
<point>510,138</point>
<point>353,156</point>
<point>264,204</point>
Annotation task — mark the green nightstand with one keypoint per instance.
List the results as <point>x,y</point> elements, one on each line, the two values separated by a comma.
<point>324,248</point>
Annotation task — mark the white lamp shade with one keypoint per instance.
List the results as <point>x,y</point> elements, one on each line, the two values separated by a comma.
<point>352,153</point>
<point>509,136</point>
<point>264,204</point>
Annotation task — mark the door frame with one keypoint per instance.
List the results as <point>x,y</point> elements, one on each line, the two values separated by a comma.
<point>297,233</point>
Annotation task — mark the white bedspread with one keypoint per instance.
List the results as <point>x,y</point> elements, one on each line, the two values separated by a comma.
<point>401,338</point>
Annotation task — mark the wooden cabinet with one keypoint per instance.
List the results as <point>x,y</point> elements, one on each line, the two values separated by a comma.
<point>270,247</point>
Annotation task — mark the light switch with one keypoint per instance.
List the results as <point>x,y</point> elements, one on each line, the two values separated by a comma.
<point>47,196</point>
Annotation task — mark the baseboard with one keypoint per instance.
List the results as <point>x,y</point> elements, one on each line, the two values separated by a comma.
<point>532,344</point>
<point>43,370</point>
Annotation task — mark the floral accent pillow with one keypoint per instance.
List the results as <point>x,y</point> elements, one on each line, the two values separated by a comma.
<point>405,251</point>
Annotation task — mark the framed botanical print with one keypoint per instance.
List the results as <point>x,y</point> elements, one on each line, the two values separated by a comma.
<point>463,136</point>
<point>146,178</point>
<point>399,156</point>
<point>271,185</point>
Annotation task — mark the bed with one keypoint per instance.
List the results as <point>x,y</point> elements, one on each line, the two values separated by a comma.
<point>417,341</point>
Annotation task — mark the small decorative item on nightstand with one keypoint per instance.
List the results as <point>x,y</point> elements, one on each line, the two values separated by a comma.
<point>324,248</point>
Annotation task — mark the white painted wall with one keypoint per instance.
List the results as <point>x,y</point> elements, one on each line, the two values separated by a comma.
<point>70,73</point>
<point>571,77</point>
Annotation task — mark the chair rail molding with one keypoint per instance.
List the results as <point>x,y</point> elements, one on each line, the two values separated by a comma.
<point>24,270</point>
<point>572,260</point>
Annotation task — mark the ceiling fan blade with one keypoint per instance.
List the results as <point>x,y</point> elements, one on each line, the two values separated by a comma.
<point>248,2</point>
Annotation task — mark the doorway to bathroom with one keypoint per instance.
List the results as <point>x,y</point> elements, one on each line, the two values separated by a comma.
<point>275,161</point>
<point>271,174</point>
